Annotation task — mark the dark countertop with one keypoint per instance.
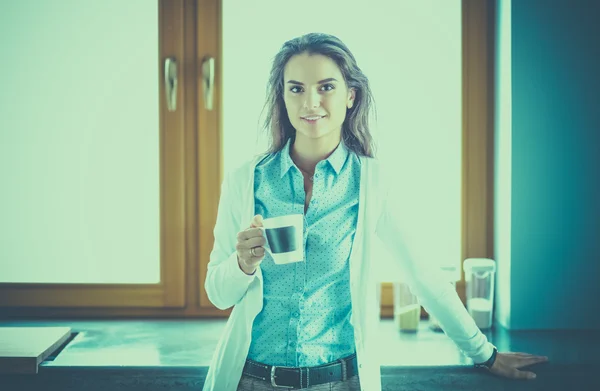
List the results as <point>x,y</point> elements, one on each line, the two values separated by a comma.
<point>183,348</point>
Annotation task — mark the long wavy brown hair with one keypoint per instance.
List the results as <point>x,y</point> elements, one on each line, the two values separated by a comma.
<point>355,129</point>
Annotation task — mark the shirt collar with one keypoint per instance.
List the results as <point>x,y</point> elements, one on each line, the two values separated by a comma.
<point>336,159</point>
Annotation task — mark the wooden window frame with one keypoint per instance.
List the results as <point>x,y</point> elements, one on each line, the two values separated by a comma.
<point>192,170</point>
<point>478,43</point>
<point>72,299</point>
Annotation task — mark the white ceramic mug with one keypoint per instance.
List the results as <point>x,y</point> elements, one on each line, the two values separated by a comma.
<point>285,239</point>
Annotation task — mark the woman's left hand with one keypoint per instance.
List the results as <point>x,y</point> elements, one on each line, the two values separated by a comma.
<point>508,364</point>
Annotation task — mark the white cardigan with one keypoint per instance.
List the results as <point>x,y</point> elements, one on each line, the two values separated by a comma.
<point>226,285</point>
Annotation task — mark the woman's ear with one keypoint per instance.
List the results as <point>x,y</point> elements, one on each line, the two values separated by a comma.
<point>351,97</point>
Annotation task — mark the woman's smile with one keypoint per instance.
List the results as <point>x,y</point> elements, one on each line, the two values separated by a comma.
<point>312,120</point>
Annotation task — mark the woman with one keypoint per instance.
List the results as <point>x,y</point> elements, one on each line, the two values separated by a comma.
<point>313,324</point>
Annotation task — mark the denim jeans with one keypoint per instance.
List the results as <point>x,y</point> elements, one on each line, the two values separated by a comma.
<point>248,383</point>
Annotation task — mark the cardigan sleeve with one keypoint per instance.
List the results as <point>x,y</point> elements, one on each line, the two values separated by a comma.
<point>435,293</point>
<point>225,283</point>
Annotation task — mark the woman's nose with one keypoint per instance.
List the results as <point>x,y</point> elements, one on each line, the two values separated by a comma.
<point>313,99</point>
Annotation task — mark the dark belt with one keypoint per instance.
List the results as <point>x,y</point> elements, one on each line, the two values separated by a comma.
<point>287,377</point>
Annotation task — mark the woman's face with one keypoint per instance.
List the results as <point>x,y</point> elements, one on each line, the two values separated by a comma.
<point>315,88</point>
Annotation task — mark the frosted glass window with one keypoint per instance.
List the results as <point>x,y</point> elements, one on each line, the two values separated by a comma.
<point>411,53</point>
<point>79,142</point>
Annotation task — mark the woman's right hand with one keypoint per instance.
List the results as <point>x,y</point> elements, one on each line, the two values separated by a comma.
<point>250,246</point>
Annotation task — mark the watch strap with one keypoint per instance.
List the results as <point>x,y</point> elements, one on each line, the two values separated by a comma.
<point>488,364</point>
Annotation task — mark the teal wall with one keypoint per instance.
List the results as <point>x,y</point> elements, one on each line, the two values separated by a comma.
<point>547,218</point>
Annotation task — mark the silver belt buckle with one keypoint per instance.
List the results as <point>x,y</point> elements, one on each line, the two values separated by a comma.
<point>344,369</point>
<point>273,379</point>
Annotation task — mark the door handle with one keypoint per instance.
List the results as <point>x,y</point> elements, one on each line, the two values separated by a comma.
<point>208,81</point>
<point>171,83</point>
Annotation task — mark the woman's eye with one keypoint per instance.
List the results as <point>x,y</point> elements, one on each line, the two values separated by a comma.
<point>331,87</point>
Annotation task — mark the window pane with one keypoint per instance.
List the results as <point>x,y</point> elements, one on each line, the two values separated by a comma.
<point>79,142</point>
<point>411,53</point>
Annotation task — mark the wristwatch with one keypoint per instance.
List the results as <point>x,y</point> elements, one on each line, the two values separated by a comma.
<point>488,364</point>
